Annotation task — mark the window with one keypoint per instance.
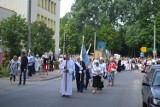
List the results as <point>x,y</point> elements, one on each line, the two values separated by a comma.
<point>39,3</point>
<point>54,25</point>
<point>42,18</point>
<point>54,8</point>
<point>46,4</point>
<point>45,20</point>
<point>49,5</point>
<point>49,23</point>
<point>38,17</point>
<point>43,4</point>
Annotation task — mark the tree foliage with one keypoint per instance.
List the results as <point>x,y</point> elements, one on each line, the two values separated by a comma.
<point>42,38</point>
<point>14,33</point>
<point>13,30</point>
<point>125,25</point>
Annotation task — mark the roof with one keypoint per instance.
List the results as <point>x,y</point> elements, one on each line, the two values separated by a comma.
<point>7,9</point>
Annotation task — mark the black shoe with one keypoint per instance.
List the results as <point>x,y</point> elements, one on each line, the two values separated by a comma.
<point>63,95</point>
<point>19,84</point>
<point>81,91</point>
<point>24,84</point>
<point>67,96</point>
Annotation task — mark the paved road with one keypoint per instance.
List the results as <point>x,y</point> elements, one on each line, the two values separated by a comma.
<point>125,93</point>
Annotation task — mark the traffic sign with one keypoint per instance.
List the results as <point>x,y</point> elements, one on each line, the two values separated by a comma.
<point>154,51</point>
<point>142,54</point>
<point>143,49</point>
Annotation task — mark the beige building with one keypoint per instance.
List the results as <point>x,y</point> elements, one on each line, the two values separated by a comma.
<point>41,10</point>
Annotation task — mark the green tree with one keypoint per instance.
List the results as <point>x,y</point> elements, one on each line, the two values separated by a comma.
<point>42,38</point>
<point>13,30</point>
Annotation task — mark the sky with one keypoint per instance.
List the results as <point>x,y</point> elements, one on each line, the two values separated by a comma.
<point>65,7</point>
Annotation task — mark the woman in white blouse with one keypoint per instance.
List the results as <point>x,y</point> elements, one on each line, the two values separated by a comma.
<point>97,72</point>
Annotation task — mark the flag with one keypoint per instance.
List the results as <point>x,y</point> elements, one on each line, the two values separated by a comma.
<point>101,45</point>
<point>84,55</point>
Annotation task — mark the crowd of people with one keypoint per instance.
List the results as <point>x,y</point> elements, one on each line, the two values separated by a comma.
<point>97,72</point>
<point>29,64</point>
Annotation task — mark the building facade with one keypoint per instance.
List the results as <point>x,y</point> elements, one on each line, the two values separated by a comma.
<point>41,10</point>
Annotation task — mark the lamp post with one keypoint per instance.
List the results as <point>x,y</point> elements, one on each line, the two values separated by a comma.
<point>154,44</point>
<point>29,27</point>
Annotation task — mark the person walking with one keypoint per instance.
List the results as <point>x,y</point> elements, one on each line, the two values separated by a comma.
<point>79,68</point>
<point>24,64</point>
<point>119,68</point>
<point>97,72</point>
<point>67,67</point>
<point>110,72</point>
<point>37,63</point>
<point>103,67</point>
<point>51,62</point>
<point>30,64</point>
<point>13,68</point>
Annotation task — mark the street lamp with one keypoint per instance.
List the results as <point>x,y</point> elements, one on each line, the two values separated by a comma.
<point>64,40</point>
<point>154,37</point>
<point>29,27</point>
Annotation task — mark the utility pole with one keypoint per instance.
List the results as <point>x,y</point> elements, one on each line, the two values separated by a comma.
<point>154,38</point>
<point>29,27</point>
<point>64,43</point>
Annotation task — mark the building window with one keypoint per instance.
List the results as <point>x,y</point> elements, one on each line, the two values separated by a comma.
<point>49,5</point>
<point>43,4</point>
<point>49,23</point>
<point>45,20</point>
<point>39,3</point>
<point>42,18</point>
<point>46,4</point>
<point>38,17</point>
<point>54,8</point>
<point>54,26</point>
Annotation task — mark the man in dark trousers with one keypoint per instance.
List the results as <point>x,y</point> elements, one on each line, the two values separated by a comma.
<point>51,62</point>
<point>23,68</point>
<point>79,68</point>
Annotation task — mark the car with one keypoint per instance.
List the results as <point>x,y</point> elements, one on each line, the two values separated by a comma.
<point>151,87</point>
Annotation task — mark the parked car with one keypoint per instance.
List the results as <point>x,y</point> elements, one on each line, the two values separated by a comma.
<point>151,87</point>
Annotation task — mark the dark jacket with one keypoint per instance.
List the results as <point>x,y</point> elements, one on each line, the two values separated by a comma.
<point>24,62</point>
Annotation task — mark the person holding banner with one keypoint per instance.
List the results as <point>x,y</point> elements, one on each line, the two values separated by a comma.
<point>67,68</point>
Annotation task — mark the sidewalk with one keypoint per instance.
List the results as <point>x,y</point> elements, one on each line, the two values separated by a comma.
<point>42,77</point>
<point>6,86</point>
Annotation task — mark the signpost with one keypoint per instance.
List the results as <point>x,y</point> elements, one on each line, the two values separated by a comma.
<point>143,50</point>
<point>154,52</point>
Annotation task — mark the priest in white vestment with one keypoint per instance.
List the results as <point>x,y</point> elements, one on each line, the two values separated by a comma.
<point>66,82</point>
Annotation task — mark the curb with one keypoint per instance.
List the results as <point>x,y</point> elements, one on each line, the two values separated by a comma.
<point>43,79</point>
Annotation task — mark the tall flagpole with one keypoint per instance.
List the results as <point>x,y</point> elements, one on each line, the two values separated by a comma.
<point>89,48</point>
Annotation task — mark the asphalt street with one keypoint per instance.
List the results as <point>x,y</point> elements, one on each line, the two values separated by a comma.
<point>125,93</point>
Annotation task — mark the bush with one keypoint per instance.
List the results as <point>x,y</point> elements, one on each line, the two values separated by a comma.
<point>3,71</point>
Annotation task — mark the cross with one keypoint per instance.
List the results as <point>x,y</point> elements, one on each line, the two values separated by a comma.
<point>83,37</point>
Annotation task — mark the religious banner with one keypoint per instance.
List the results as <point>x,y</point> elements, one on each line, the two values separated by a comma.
<point>98,54</point>
<point>102,47</point>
